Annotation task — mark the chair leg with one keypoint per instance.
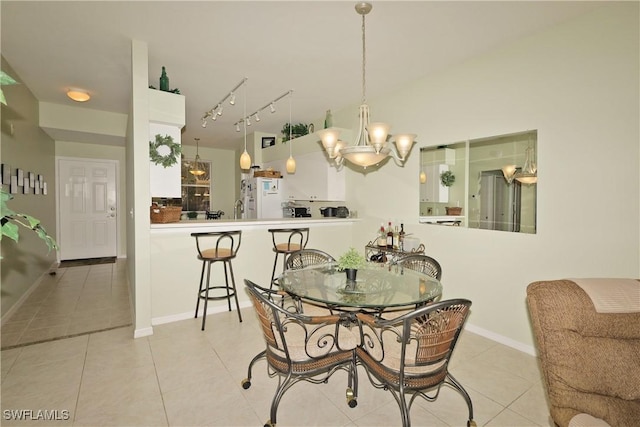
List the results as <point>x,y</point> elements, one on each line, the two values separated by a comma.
<point>206,300</point>
<point>273,272</point>
<point>226,283</point>
<point>235,292</point>
<point>199,290</point>
<point>246,383</point>
<point>465,395</point>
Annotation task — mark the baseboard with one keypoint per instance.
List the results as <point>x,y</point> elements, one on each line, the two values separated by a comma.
<point>144,332</point>
<point>189,315</point>
<point>7,315</point>
<point>501,339</point>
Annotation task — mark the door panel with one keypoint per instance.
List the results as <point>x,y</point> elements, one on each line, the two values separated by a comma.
<point>87,209</point>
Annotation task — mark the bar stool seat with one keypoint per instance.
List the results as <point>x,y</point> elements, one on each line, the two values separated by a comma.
<point>217,247</point>
<point>286,241</point>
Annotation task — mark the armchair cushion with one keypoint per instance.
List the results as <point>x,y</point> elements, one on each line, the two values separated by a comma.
<point>590,360</point>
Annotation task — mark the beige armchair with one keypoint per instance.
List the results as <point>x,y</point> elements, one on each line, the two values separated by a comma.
<point>587,333</point>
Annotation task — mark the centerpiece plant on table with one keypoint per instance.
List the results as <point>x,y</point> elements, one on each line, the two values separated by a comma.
<point>350,262</point>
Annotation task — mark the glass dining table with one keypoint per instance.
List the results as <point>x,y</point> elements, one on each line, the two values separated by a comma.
<point>377,288</point>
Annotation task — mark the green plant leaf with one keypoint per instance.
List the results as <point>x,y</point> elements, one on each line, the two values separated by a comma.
<point>6,79</point>
<point>10,230</point>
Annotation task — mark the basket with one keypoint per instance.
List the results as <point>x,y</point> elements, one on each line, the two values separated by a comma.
<point>267,174</point>
<point>454,210</point>
<point>165,214</point>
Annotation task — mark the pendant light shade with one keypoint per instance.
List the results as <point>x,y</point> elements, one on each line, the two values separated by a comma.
<point>291,162</point>
<point>245,160</point>
<point>423,177</point>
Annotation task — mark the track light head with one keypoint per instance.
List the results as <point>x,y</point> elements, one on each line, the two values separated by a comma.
<point>232,99</point>
<point>272,108</point>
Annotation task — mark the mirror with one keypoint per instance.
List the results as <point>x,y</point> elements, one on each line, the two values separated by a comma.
<point>485,183</point>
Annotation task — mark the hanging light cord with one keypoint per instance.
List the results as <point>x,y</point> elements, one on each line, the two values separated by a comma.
<point>364,63</point>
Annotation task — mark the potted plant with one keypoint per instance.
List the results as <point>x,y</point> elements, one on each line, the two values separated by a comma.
<point>350,262</point>
<point>296,130</point>
<point>10,221</point>
<point>192,215</point>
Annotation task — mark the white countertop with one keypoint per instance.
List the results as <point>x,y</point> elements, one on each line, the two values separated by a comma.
<point>247,224</point>
<point>441,219</point>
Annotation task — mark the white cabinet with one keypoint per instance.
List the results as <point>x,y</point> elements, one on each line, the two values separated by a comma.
<point>315,179</point>
<point>433,190</point>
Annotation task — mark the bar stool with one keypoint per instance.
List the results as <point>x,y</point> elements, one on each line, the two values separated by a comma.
<point>285,242</point>
<point>217,247</point>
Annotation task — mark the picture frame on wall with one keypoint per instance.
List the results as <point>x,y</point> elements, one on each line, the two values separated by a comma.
<point>44,188</point>
<point>13,187</point>
<point>20,176</point>
<point>6,174</point>
<point>32,180</point>
<point>268,141</point>
<point>25,186</point>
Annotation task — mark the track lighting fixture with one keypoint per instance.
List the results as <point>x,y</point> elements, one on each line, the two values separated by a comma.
<point>231,96</point>
<point>204,122</point>
<point>272,108</point>
<point>270,105</point>
<point>256,117</point>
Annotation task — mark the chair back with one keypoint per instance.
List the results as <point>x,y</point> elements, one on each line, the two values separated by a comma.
<point>422,263</point>
<point>307,258</point>
<point>292,337</point>
<point>289,239</point>
<point>417,345</point>
<point>220,245</point>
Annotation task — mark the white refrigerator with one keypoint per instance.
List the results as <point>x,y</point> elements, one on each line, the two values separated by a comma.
<point>262,198</point>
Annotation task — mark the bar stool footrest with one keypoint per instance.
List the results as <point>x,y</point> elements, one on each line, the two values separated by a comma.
<point>232,292</point>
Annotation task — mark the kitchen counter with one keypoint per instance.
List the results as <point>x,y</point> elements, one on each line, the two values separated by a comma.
<point>175,268</point>
<point>249,224</point>
<point>443,219</point>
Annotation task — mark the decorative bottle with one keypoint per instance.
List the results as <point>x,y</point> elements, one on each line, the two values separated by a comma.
<point>382,236</point>
<point>164,81</point>
<point>389,237</point>
<point>401,238</point>
<point>328,120</point>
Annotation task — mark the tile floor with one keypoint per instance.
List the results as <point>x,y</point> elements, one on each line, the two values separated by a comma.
<point>182,376</point>
<point>74,301</point>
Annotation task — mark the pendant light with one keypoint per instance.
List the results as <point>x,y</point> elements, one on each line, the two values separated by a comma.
<point>370,147</point>
<point>423,177</point>
<point>291,162</point>
<point>245,158</point>
<point>196,166</point>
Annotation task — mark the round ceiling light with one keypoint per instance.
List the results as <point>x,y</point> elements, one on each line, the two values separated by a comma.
<point>78,95</point>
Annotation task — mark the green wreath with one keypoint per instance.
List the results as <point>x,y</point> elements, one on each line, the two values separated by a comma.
<point>447,178</point>
<point>174,151</point>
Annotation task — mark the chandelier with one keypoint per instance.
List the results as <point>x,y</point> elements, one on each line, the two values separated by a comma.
<point>370,147</point>
<point>529,172</point>
<point>197,168</point>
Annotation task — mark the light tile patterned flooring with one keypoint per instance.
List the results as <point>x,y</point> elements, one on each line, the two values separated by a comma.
<point>182,376</point>
<point>74,301</point>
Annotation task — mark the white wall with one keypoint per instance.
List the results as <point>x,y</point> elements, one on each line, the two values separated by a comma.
<point>26,146</point>
<point>578,85</point>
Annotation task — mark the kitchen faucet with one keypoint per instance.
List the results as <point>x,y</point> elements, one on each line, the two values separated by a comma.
<point>238,204</point>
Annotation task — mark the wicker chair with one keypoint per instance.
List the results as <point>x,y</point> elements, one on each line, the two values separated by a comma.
<point>307,258</point>
<point>409,355</point>
<point>300,348</point>
<point>422,263</point>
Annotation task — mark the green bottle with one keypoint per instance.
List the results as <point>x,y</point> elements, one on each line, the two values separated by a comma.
<point>164,81</point>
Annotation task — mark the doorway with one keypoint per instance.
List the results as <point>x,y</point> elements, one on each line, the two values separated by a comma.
<point>87,208</point>
<point>500,203</point>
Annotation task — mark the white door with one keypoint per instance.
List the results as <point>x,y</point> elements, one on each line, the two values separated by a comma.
<point>87,208</point>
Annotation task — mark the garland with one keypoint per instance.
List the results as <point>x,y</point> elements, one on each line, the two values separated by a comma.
<point>171,158</point>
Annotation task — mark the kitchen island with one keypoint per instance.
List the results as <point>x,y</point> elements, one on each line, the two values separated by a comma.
<point>175,269</point>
